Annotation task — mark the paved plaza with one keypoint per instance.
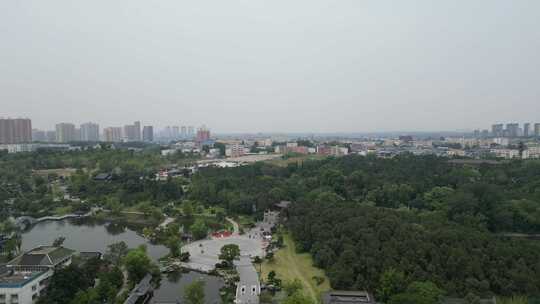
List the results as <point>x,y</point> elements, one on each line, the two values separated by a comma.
<point>204,255</point>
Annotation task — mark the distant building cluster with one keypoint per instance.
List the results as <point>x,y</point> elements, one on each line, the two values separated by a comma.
<point>510,130</point>
<point>507,141</point>
<point>17,135</point>
<point>172,133</point>
<point>89,132</point>
<point>19,131</point>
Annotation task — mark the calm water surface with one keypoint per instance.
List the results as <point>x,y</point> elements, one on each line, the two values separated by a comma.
<point>91,235</point>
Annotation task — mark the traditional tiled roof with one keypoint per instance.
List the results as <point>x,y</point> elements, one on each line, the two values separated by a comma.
<point>43,256</point>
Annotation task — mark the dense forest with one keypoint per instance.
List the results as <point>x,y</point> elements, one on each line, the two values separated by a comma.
<point>496,198</point>
<point>357,244</point>
<point>423,217</point>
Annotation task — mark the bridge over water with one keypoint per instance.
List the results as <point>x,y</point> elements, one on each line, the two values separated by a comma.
<point>24,222</point>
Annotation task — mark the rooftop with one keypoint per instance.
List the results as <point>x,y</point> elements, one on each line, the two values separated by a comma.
<point>103,177</point>
<point>348,297</point>
<point>43,256</point>
<point>140,290</point>
<point>10,278</point>
<point>283,204</point>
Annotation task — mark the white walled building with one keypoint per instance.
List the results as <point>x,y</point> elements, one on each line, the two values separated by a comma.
<point>506,153</point>
<point>235,150</point>
<point>25,278</point>
<point>501,141</point>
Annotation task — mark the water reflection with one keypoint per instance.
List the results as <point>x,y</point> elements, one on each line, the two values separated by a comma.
<point>115,228</point>
<point>174,276</point>
<point>96,235</point>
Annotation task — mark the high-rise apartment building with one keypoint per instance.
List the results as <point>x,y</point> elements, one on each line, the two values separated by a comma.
<point>65,132</point>
<point>184,132</point>
<point>15,131</point>
<point>133,132</point>
<point>89,132</point>
<point>112,134</point>
<point>203,134</point>
<point>175,132</point>
<point>497,130</point>
<point>38,135</point>
<point>526,129</point>
<point>50,136</point>
<point>129,133</point>
<point>191,132</point>
<point>148,133</point>
<point>77,134</point>
<point>6,131</point>
<point>537,129</point>
<point>23,130</point>
<point>137,125</point>
<point>512,129</point>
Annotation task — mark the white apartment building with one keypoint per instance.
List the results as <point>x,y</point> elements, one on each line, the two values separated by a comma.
<point>89,132</point>
<point>506,153</point>
<point>234,150</point>
<point>501,141</point>
<point>65,132</point>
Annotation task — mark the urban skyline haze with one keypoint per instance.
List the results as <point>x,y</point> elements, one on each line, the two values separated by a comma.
<point>280,66</point>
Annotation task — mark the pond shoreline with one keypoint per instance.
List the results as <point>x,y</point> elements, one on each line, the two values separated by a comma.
<point>95,234</point>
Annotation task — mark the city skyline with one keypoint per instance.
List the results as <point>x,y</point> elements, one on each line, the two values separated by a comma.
<point>20,130</point>
<point>179,126</point>
<point>272,66</point>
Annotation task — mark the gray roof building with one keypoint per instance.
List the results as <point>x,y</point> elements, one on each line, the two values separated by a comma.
<point>348,297</point>
<point>47,256</point>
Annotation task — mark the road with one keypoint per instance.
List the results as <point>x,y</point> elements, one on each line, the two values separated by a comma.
<point>166,222</point>
<point>249,287</point>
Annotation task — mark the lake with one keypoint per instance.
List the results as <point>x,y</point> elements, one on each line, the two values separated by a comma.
<point>94,235</point>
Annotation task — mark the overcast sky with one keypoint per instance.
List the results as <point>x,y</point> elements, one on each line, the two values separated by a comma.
<point>272,65</point>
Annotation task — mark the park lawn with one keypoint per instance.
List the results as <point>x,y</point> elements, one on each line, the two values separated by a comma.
<point>290,265</point>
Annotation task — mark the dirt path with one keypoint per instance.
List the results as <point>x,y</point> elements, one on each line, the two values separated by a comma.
<point>236,227</point>
<point>124,284</point>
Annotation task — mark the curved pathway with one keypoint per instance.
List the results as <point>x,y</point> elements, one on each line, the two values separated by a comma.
<point>236,227</point>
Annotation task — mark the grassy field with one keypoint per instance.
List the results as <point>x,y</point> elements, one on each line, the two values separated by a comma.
<point>290,265</point>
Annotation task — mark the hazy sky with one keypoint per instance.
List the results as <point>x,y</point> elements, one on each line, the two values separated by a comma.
<point>272,65</point>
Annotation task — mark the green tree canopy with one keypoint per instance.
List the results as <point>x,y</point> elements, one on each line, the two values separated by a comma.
<point>199,229</point>
<point>194,292</point>
<point>138,264</point>
<point>229,252</point>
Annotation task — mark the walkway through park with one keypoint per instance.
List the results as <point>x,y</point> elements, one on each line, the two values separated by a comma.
<point>204,255</point>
